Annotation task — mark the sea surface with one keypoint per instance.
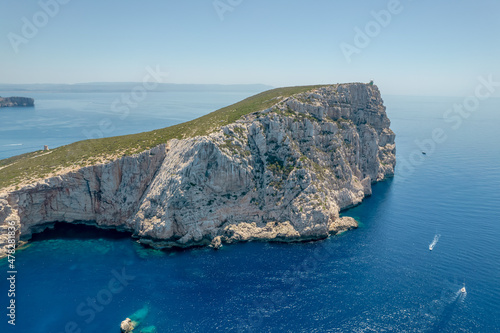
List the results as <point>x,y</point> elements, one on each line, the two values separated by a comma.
<point>62,118</point>
<point>381,277</point>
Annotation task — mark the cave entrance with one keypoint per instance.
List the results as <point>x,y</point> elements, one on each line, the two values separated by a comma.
<point>76,231</point>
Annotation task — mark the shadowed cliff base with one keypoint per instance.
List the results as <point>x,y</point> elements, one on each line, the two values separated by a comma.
<point>75,231</point>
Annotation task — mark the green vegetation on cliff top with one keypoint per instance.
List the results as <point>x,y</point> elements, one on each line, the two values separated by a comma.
<point>40,164</point>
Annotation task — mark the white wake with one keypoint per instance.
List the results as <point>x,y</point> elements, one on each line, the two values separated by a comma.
<point>434,241</point>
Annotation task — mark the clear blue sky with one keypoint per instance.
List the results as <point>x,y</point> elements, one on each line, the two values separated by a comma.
<point>430,47</point>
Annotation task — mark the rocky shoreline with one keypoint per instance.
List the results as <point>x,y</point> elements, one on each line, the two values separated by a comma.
<point>279,174</point>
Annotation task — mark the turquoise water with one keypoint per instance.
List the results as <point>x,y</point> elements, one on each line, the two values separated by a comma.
<point>381,276</point>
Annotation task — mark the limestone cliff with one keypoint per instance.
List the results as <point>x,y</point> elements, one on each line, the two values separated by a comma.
<point>283,174</point>
<point>16,101</point>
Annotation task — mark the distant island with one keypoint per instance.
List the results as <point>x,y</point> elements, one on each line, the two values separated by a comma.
<point>127,87</point>
<point>16,101</point>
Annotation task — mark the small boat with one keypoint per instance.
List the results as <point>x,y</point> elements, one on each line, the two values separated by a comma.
<point>463,289</point>
<point>424,153</point>
<point>430,247</point>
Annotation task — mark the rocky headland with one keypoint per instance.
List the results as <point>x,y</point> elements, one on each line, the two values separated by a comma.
<point>282,173</point>
<point>16,101</point>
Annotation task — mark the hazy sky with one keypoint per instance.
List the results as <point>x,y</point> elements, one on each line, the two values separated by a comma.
<point>424,47</point>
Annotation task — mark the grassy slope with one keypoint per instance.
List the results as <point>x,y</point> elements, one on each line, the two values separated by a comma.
<point>39,164</point>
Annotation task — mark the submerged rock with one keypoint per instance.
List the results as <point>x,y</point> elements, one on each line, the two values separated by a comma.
<point>140,314</point>
<point>135,320</point>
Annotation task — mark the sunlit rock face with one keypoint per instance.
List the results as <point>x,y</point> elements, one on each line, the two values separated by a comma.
<point>279,174</point>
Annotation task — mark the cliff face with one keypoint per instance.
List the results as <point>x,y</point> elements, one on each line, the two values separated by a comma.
<point>16,101</point>
<point>280,174</point>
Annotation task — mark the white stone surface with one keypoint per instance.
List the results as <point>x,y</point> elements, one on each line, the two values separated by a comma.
<point>281,174</point>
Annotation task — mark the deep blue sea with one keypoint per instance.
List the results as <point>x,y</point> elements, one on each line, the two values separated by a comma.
<point>378,278</point>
